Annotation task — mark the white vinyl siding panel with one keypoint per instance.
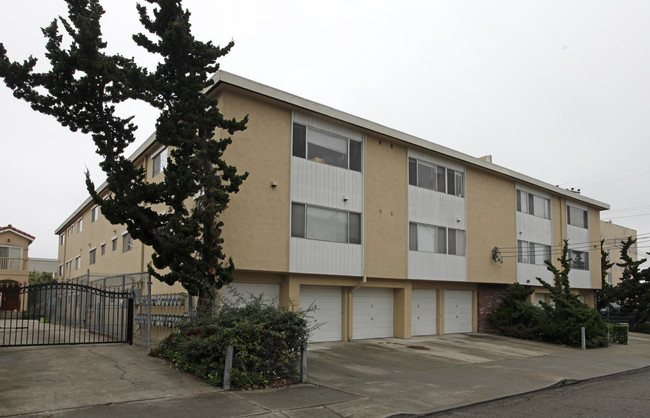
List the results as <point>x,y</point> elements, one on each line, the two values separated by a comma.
<point>431,266</point>
<point>423,312</point>
<point>322,257</point>
<point>534,229</point>
<point>430,207</point>
<point>328,311</point>
<point>527,273</point>
<point>458,311</point>
<point>372,313</point>
<point>325,185</point>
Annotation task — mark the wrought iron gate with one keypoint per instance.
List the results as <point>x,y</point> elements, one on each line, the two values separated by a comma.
<point>65,313</point>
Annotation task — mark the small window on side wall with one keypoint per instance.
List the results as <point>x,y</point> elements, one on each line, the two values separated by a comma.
<point>159,162</point>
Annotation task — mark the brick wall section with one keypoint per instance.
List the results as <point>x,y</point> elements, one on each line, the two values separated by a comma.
<point>488,300</point>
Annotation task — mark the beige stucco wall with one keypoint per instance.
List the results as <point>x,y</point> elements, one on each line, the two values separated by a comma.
<point>385,209</point>
<point>491,222</point>
<point>594,253</point>
<point>261,242</point>
<point>614,235</point>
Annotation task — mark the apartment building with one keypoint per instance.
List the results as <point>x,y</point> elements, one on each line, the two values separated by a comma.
<point>614,236</point>
<point>14,265</point>
<point>384,233</point>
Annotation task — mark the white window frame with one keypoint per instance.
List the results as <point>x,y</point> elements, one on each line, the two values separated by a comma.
<point>94,214</point>
<point>159,162</point>
<point>301,227</point>
<point>61,271</point>
<point>442,176</point>
<point>92,256</point>
<point>80,224</point>
<point>62,239</point>
<point>77,262</point>
<point>417,229</point>
<point>584,266</point>
<point>525,199</point>
<point>114,244</point>
<point>584,218</point>
<point>533,253</point>
<point>102,247</point>
<point>127,242</point>
<point>324,135</point>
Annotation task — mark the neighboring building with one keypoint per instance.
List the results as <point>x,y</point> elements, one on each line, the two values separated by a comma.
<point>614,236</point>
<point>48,265</point>
<point>14,264</point>
<point>387,234</point>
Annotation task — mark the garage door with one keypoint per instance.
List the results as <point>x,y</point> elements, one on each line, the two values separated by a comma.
<point>458,311</point>
<point>327,313</point>
<point>372,313</point>
<point>271,292</point>
<point>423,312</point>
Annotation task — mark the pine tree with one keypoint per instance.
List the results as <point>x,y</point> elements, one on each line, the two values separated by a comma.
<point>633,291</point>
<point>82,90</point>
<point>607,294</point>
<point>563,319</point>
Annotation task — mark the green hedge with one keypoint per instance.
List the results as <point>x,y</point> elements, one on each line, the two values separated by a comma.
<point>267,342</point>
<point>618,333</point>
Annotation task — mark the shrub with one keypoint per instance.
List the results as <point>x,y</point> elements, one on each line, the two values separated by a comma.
<point>515,316</point>
<point>618,333</point>
<point>267,341</point>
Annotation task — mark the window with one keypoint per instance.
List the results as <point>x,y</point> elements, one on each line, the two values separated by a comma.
<point>94,213</point>
<point>533,205</point>
<point>579,260</point>
<point>577,217</point>
<point>80,224</point>
<point>60,270</point>
<point>91,256</point>
<point>77,262</point>
<point>436,239</point>
<point>436,177</point>
<point>159,162</point>
<point>127,242</point>
<point>62,239</point>
<point>71,230</point>
<point>114,244</point>
<point>325,224</point>
<point>102,248</point>
<point>325,147</point>
<point>11,258</point>
<point>532,253</point>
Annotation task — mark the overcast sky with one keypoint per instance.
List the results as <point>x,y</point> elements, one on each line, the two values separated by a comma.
<point>558,90</point>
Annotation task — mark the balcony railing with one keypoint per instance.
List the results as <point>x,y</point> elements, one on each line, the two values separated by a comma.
<point>10,263</point>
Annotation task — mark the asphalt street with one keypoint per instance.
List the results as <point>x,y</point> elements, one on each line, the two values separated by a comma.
<point>622,395</point>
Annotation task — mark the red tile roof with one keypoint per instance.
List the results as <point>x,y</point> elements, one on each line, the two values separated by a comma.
<point>24,234</point>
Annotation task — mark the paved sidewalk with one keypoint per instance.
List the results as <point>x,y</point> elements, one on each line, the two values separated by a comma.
<point>367,378</point>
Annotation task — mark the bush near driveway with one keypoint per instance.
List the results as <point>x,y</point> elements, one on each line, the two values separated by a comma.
<point>267,341</point>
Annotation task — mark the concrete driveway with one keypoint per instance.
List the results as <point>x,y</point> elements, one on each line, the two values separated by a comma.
<point>362,378</point>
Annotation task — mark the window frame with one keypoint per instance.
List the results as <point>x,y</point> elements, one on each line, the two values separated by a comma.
<point>127,242</point>
<point>528,252</point>
<point>301,229</point>
<point>437,230</point>
<point>584,220</point>
<point>80,224</point>
<point>94,214</point>
<point>92,256</point>
<point>525,202</point>
<point>440,178</point>
<point>102,248</point>
<point>300,146</point>
<point>114,244</point>
<point>160,158</point>
<point>584,266</point>
<point>77,262</point>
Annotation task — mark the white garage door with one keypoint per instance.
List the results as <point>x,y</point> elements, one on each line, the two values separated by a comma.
<point>271,292</point>
<point>327,314</point>
<point>423,312</point>
<point>372,313</point>
<point>458,311</point>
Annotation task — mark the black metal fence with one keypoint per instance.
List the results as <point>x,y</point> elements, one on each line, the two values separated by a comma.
<point>66,313</point>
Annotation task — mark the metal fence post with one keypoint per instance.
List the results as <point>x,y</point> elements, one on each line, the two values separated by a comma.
<point>583,337</point>
<point>129,323</point>
<point>227,368</point>
<point>149,312</point>
<point>303,365</point>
